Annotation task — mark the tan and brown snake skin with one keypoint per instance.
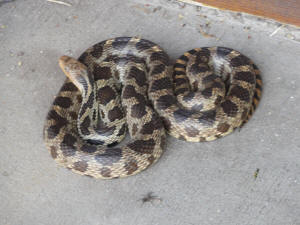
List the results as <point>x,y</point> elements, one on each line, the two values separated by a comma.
<point>206,95</point>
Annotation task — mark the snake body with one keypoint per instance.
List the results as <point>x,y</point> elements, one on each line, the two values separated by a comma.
<point>211,92</point>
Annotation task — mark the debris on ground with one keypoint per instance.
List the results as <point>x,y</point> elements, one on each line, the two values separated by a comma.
<point>20,53</point>
<point>59,2</point>
<point>205,34</point>
<point>151,198</point>
<point>180,16</point>
<point>141,8</point>
<point>276,30</point>
<point>156,9</point>
<point>247,28</point>
<point>290,36</point>
<point>256,173</point>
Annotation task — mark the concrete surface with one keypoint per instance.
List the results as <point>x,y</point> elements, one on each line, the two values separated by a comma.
<point>196,183</point>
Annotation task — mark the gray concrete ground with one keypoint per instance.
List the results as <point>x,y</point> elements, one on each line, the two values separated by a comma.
<point>196,183</point>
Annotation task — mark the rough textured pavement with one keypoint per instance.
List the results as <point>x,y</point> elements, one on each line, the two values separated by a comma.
<point>195,183</point>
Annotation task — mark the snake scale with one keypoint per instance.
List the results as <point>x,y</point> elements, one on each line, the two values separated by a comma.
<point>128,83</point>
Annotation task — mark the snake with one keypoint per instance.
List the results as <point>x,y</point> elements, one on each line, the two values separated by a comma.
<point>129,84</point>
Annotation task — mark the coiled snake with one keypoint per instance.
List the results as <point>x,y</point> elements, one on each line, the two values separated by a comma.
<point>210,92</point>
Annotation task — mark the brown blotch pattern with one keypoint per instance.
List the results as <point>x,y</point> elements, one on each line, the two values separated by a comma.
<point>180,81</point>
<point>105,95</point>
<point>202,139</point>
<point>245,76</point>
<point>115,114</point>
<point>161,56</point>
<point>131,166</point>
<point>129,92</point>
<point>101,73</point>
<point>138,75</point>
<point>239,61</point>
<point>223,127</point>
<point>79,98</point>
<point>68,145</point>
<point>241,93</point>
<point>60,122</point>
<point>181,137</point>
<point>167,123</point>
<point>68,87</point>
<point>163,83</point>
<point>142,146</point>
<point>63,102</point>
<point>154,124</point>
<point>138,111</point>
<point>207,93</point>
<point>229,108</point>
<point>73,115</point>
<point>165,101</point>
<point>105,172</point>
<point>158,69</point>
<point>80,166</point>
<point>142,45</point>
<point>97,51</point>
<point>191,131</point>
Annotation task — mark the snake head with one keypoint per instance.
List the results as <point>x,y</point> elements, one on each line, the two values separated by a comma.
<point>76,72</point>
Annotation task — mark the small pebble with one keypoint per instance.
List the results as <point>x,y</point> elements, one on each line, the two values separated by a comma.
<point>20,53</point>
<point>290,36</point>
<point>4,173</point>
